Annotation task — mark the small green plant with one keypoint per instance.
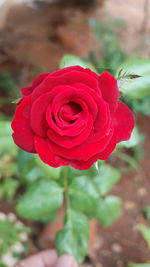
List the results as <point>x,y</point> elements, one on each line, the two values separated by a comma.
<point>7,83</point>
<point>13,239</point>
<point>107,36</point>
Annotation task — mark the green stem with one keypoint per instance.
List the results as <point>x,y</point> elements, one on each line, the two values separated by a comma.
<point>66,197</point>
<point>132,162</point>
<point>6,100</point>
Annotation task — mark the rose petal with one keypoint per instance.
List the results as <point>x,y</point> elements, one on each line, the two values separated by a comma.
<point>123,122</point>
<point>47,85</point>
<point>84,165</point>
<point>103,120</point>
<point>69,94</point>
<point>46,155</point>
<point>23,135</point>
<point>65,70</point>
<point>29,89</point>
<point>65,129</point>
<point>71,142</point>
<point>82,152</point>
<point>39,79</point>
<point>74,68</point>
<point>109,89</point>
<point>38,114</point>
<point>82,77</point>
<point>66,79</point>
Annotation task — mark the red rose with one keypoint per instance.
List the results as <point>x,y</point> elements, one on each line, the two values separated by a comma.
<point>72,116</point>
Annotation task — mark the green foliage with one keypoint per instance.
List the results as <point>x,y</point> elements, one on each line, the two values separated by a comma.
<point>6,144</point>
<point>31,168</point>
<point>112,55</point>
<point>108,210</point>
<point>83,195</point>
<point>7,82</point>
<point>147,212</point>
<point>8,152</point>
<point>141,105</point>
<point>73,173</point>
<point>107,177</point>
<point>42,198</point>
<point>134,140</point>
<point>139,87</point>
<point>139,265</point>
<point>8,189</point>
<point>126,75</point>
<point>84,198</point>
<point>27,167</point>
<point>73,238</point>
<point>11,233</point>
<point>72,60</point>
<point>47,170</point>
<point>145,232</point>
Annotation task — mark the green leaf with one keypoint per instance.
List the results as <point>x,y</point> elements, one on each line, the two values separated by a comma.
<point>107,177</point>
<point>145,232</point>
<point>139,265</point>
<point>73,173</point>
<point>42,198</point>
<point>72,60</point>
<point>31,168</point>
<point>73,239</point>
<point>48,218</point>
<point>8,188</point>
<point>83,195</point>
<point>6,142</point>
<point>47,170</point>
<point>7,81</point>
<point>147,212</point>
<point>126,75</point>
<point>108,210</point>
<point>134,140</point>
<point>139,87</point>
<point>141,105</point>
<point>28,169</point>
<point>10,234</point>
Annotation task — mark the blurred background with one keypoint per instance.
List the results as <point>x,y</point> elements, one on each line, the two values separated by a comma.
<point>41,36</point>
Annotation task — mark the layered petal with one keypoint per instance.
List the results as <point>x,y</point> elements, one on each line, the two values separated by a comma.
<point>46,155</point>
<point>69,141</point>
<point>68,78</point>
<point>109,89</point>
<point>74,68</point>
<point>123,122</point>
<point>82,152</point>
<point>23,135</point>
<point>84,165</point>
<point>29,89</point>
<point>72,117</point>
<point>69,94</point>
<point>103,120</point>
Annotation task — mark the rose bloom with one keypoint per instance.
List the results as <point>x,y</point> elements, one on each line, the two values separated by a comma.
<point>71,117</point>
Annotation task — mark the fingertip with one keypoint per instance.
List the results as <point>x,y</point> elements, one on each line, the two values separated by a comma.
<point>66,261</point>
<point>45,258</point>
<point>48,257</point>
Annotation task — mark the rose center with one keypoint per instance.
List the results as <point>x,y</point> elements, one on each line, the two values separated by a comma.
<point>70,112</point>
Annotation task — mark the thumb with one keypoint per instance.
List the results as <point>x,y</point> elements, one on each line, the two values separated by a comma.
<point>66,261</point>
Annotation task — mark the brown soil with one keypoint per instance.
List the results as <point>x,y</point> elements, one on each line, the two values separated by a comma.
<point>33,41</point>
